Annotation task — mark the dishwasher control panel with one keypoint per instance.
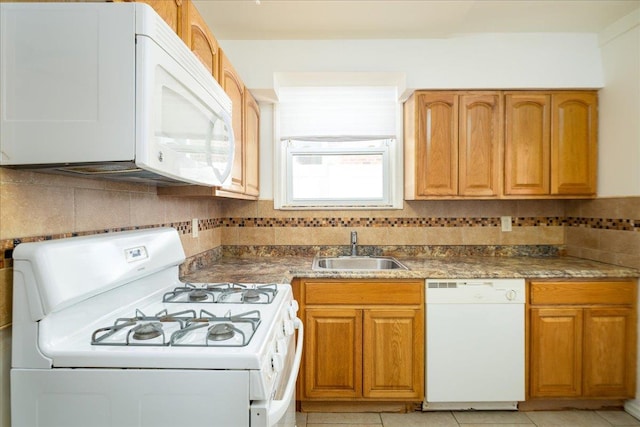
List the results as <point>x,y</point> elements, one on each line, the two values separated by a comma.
<point>493,291</point>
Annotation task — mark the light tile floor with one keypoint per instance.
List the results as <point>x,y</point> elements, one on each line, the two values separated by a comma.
<point>469,419</point>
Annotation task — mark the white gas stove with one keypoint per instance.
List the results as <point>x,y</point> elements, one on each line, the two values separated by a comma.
<point>105,334</point>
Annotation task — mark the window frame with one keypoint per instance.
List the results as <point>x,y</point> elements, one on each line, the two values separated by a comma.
<point>305,146</point>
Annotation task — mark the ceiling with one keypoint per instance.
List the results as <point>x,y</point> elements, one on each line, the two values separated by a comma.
<point>395,19</point>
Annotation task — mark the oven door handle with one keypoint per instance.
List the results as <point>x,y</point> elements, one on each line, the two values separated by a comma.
<point>277,408</point>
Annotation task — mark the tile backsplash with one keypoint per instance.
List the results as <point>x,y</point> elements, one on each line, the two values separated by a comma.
<point>35,206</point>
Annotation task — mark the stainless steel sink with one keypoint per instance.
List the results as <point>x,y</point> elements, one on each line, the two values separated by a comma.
<point>357,263</point>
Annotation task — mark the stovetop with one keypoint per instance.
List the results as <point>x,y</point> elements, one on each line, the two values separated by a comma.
<point>226,330</point>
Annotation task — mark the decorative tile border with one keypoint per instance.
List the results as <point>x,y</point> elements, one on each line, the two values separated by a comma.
<point>184,227</point>
<point>400,250</point>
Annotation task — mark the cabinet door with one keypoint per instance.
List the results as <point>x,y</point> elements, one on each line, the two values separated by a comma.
<point>234,87</point>
<point>609,352</point>
<point>556,352</point>
<point>333,353</point>
<point>393,354</point>
<point>437,144</point>
<point>252,139</point>
<point>201,41</point>
<point>574,136</point>
<point>479,139</point>
<point>527,144</point>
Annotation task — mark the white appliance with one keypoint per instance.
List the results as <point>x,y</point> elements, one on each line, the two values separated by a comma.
<point>108,90</point>
<point>105,334</point>
<point>474,344</point>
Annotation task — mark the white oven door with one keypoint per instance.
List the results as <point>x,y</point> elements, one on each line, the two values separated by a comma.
<point>280,411</point>
<point>183,123</point>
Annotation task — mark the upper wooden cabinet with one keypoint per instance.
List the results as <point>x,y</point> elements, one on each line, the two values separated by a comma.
<point>574,143</point>
<point>452,144</point>
<point>494,144</point>
<point>527,164</point>
<point>550,143</point>
<point>245,121</point>
<point>201,41</point>
<point>252,145</point>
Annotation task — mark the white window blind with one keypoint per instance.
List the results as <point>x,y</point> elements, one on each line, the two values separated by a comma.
<point>337,111</point>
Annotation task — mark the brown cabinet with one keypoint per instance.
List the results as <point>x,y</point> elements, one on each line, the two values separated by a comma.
<point>364,339</point>
<point>452,144</point>
<point>245,121</point>
<point>582,339</point>
<point>252,145</point>
<point>550,143</point>
<point>200,40</point>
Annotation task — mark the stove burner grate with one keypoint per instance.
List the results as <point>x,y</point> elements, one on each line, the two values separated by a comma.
<point>231,293</point>
<point>220,330</point>
<point>141,329</point>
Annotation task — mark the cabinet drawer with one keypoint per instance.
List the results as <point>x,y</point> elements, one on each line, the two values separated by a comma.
<point>364,292</point>
<point>583,292</point>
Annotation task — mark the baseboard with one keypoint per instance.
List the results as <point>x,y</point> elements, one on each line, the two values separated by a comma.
<point>633,408</point>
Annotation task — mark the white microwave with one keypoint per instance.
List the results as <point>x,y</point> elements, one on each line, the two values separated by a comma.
<point>108,90</point>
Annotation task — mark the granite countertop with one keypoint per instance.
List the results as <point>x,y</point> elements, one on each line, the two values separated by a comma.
<point>275,269</point>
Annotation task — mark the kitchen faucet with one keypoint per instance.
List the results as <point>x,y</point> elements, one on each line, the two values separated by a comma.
<point>354,243</point>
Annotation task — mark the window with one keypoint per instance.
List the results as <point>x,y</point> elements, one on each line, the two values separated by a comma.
<point>337,148</point>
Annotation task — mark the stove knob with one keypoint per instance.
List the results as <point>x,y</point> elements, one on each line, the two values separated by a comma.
<point>281,346</point>
<point>277,362</point>
<point>293,309</point>
<point>288,328</point>
<point>280,331</point>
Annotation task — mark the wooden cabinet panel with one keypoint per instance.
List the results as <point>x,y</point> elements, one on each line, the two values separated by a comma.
<point>333,353</point>
<point>234,87</point>
<point>607,352</point>
<point>479,140</point>
<point>252,142</point>
<point>556,352</point>
<point>355,291</point>
<point>393,355</point>
<point>201,41</point>
<point>527,144</point>
<point>583,292</point>
<point>574,136</point>
<point>437,144</point>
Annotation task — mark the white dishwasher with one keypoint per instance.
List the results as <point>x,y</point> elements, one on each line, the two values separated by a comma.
<point>474,344</point>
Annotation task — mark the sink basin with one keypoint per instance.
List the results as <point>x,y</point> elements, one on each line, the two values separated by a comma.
<point>357,263</point>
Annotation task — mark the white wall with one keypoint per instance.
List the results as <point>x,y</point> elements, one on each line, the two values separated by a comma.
<point>619,109</point>
<point>470,61</point>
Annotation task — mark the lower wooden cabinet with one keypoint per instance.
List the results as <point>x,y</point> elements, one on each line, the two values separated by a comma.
<point>582,339</point>
<point>364,340</point>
